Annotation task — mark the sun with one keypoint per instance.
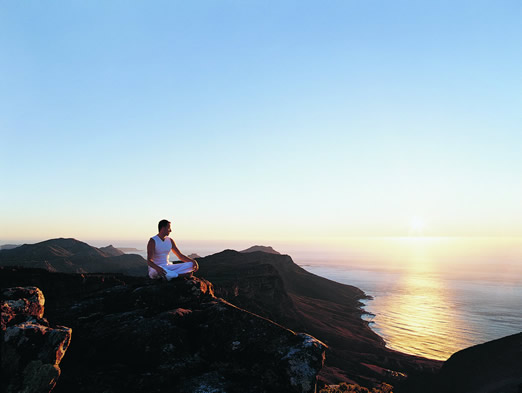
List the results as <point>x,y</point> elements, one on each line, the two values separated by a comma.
<point>417,226</point>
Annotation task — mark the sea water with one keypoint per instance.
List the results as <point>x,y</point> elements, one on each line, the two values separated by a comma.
<point>435,309</point>
<point>433,315</point>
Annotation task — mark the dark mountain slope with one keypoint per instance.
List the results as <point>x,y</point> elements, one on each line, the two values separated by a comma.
<point>73,256</point>
<point>275,287</point>
<point>495,366</point>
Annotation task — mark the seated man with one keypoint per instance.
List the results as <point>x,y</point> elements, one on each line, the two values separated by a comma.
<point>158,250</point>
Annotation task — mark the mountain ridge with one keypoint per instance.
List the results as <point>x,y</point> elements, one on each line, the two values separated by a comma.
<point>70,255</point>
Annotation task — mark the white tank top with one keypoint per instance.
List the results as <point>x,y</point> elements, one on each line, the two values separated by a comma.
<point>161,250</point>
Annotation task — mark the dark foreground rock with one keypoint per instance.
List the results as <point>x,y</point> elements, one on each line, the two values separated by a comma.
<point>31,348</point>
<point>139,335</point>
<point>495,366</point>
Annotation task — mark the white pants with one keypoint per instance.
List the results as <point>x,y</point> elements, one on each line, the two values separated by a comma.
<point>173,270</point>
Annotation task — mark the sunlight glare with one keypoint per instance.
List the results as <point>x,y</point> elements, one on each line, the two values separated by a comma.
<point>417,226</point>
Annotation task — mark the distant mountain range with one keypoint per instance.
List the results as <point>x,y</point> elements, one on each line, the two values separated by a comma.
<point>8,246</point>
<point>266,249</point>
<point>69,255</point>
<point>128,249</point>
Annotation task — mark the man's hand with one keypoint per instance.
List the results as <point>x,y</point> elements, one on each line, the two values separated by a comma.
<point>196,266</point>
<point>161,272</point>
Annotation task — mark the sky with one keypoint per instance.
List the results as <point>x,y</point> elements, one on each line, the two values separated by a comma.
<point>301,121</point>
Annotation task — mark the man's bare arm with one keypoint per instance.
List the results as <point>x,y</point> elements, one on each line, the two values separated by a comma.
<point>182,257</point>
<point>150,262</point>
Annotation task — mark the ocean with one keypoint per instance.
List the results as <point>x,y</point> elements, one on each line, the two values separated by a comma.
<point>430,296</point>
<point>436,310</point>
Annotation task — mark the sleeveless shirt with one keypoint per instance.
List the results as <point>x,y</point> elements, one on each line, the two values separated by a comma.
<point>161,250</point>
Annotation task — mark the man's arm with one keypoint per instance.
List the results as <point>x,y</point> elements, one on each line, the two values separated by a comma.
<point>182,257</point>
<point>150,262</point>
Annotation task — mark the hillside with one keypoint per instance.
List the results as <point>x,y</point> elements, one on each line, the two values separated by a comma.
<point>68,255</point>
<point>275,287</point>
<point>495,366</point>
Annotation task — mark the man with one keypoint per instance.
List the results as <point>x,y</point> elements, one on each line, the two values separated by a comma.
<point>158,250</point>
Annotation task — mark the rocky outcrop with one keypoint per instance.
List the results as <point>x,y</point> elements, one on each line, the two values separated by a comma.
<point>135,334</point>
<point>31,348</point>
<point>179,336</point>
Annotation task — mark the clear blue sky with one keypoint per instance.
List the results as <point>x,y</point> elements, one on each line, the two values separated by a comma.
<point>260,120</point>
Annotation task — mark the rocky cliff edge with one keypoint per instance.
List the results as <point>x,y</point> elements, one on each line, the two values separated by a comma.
<point>169,336</point>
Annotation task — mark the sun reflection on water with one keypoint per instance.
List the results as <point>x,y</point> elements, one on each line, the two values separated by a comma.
<point>418,317</point>
<point>418,314</point>
<point>434,296</point>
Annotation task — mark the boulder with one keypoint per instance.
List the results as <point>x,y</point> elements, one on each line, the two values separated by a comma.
<point>31,349</point>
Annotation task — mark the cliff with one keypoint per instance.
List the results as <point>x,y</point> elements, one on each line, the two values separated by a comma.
<point>134,335</point>
<point>275,287</point>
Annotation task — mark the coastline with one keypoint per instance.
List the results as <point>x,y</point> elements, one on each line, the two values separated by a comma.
<point>450,315</point>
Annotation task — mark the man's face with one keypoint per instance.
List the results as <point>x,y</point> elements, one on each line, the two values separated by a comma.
<point>165,230</point>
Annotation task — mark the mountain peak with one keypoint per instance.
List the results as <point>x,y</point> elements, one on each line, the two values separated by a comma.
<point>111,251</point>
<point>267,249</point>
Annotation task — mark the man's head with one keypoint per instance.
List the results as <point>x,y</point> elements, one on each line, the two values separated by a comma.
<point>164,227</point>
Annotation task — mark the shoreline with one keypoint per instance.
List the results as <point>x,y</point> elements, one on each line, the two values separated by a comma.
<point>450,314</point>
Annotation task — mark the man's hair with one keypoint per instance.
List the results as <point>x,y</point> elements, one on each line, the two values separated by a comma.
<point>162,224</point>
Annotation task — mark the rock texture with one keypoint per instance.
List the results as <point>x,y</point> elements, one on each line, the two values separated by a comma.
<point>137,335</point>
<point>31,348</point>
<point>179,335</point>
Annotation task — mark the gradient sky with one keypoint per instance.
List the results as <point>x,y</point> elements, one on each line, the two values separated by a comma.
<point>260,120</point>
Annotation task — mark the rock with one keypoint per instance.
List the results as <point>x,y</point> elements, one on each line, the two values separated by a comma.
<point>177,336</point>
<point>23,302</point>
<point>31,348</point>
<point>495,366</point>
